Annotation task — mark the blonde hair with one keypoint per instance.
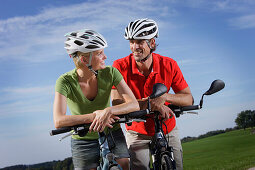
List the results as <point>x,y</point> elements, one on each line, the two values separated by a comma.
<point>77,59</point>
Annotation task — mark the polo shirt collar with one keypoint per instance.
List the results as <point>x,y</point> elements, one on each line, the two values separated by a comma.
<point>155,67</point>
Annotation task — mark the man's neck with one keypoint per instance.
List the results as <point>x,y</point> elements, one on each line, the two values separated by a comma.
<point>145,67</point>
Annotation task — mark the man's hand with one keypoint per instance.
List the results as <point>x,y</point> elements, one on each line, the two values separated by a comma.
<point>165,112</point>
<point>102,119</point>
<point>158,104</point>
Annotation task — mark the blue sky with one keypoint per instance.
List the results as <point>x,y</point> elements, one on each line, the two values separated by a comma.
<point>209,40</point>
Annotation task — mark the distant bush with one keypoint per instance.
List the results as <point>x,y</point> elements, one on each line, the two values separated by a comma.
<point>208,134</point>
<point>211,133</point>
<point>245,119</point>
<point>66,164</point>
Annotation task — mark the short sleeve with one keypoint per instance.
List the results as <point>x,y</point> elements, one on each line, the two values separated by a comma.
<point>178,83</point>
<point>117,77</point>
<point>62,86</point>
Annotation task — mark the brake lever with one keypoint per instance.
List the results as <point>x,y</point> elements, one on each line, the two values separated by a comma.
<point>135,120</point>
<point>193,113</point>
<point>67,135</point>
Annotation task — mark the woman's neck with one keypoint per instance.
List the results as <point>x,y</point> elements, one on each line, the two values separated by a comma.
<point>85,75</point>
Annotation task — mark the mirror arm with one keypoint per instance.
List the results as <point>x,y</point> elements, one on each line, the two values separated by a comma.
<point>201,101</point>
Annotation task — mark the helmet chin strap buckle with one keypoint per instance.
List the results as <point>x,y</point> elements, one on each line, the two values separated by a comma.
<point>91,69</point>
<point>90,66</point>
<point>144,59</point>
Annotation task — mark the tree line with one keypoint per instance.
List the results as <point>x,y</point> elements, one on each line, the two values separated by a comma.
<point>245,119</point>
<point>66,164</point>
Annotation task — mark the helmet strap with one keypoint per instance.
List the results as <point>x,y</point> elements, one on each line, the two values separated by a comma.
<point>148,56</point>
<point>89,65</point>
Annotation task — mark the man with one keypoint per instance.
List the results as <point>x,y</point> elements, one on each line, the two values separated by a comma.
<point>141,70</point>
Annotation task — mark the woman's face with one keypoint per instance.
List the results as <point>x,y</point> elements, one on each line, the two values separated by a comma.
<point>97,60</point>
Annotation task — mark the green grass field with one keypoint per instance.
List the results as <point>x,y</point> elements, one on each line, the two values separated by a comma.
<point>233,150</point>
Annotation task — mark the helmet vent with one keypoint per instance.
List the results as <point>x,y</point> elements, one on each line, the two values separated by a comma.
<point>91,33</point>
<point>101,40</point>
<point>146,25</point>
<point>78,42</point>
<point>136,25</point>
<point>98,42</point>
<point>92,46</point>
<point>73,34</point>
<point>84,36</point>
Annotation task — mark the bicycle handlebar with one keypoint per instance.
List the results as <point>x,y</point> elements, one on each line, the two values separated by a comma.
<point>178,110</point>
<point>136,115</point>
<point>60,130</point>
<point>81,129</point>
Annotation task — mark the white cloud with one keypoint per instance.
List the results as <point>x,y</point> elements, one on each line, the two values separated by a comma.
<point>37,145</point>
<point>21,37</point>
<point>28,90</point>
<point>24,101</point>
<point>243,8</point>
<point>243,22</point>
<point>234,6</point>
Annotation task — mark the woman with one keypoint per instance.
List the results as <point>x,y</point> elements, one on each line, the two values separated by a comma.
<point>86,90</point>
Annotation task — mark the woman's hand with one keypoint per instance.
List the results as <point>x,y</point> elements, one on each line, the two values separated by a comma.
<point>102,119</point>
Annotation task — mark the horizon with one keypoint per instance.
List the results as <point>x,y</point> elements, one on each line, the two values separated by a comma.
<point>209,40</point>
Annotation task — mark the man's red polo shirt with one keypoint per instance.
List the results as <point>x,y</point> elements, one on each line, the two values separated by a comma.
<point>165,70</point>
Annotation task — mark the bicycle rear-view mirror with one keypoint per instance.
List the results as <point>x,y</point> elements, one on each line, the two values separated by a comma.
<point>158,90</point>
<point>216,86</point>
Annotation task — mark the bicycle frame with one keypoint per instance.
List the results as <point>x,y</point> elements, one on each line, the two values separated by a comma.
<point>159,147</point>
<point>106,142</point>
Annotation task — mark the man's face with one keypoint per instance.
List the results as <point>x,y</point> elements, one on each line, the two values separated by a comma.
<point>139,48</point>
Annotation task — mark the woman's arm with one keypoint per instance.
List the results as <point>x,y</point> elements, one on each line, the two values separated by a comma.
<point>127,103</point>
<point>60,117</point>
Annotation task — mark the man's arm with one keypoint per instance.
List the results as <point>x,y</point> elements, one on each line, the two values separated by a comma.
<point>181,98</point>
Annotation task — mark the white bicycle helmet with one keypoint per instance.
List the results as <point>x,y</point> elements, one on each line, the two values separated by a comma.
<point>84,41</point>
<point>141,29</point>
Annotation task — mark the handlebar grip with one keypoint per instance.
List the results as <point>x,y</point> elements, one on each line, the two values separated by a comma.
<point>183,108</point>
<point>60,130</point>
<point>138,114</point>
<point>193,107</point>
